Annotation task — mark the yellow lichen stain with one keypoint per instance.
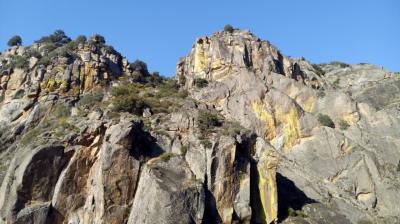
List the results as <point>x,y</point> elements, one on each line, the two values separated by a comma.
<point>351,118</point>
<point>200,59</point>
<point>88,76</point>
<point>308,104</point>
<point>224,186</point>
<point>63,86</point>
<point>267,187</point>
<point>346,147</point>
<point>262,113</point>
<point>291,130</point>
<point>52,84</point>
<point>60,68</point>
<point>288,121</point>
<point>216,64</point>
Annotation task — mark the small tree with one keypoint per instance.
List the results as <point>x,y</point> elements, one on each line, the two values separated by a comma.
<point>207,120</point>
<point>325,120</point>
<point>58,37</point>
<point>98,39</point>
<point>139,66</point>
<point>200,83</point>
<point>14,41</point>
<point>228,28</point>
<point>80,39</point>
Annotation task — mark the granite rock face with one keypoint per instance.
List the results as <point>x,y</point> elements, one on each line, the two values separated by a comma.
<point>68,156</point>
<point>241,134</point>
<point>350,166</point>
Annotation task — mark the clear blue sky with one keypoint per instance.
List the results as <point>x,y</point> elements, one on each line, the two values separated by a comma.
<point>160,32</point>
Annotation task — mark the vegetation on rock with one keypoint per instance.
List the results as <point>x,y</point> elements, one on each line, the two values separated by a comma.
<point>90,99</point>
<point>200,83</point>
<point>14,41</point>
<point>318,69</point>
<point>159,95</point>
<point>207,120</point>
<point>343,125</point>
<point>228,28</point>
<point>97,38</point>
<point>325,120</point>
<point>295,213</point>
<point>58,38</point>
<point>62,111</point>
<point>340,64</point>
<point>165,156</point>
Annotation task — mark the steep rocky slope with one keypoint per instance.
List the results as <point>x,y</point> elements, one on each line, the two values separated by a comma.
<point>335,126</point>
<point>242,134</point>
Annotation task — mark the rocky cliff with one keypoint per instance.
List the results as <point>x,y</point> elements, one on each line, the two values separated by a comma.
<point>241,134</point>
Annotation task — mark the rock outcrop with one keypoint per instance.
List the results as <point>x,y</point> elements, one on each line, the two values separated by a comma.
<point>350,166</point>
<point>241,134</point>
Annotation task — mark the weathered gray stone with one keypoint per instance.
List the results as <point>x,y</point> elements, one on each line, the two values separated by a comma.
<point>168,193</point>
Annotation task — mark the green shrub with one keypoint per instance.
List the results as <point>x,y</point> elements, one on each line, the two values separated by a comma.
<point>62,126</point>
<point>325,120</point>
<point>228,28</point>
<point>320,94</point>
<point>126,89</point>
<point>126,98</point>
<point>30,136</point>
<point>343,125</point>
<point>62,110</point>
<point>80,39</point>
<point>99,39</point>
<point>14,41</point>
<point>49,47</point>
<point>231,129</point>
<point>63,52</point>
<point>206,120</point>
<point>20,62</point>
<point>58,38</point>
<point>71,46</point>
<point>295,213</point>
<point>340,64</point>
<point>206,143</point>
<point>200,83</point>
<point>139,66</point>
<point>165,156</point>
<point>128,104</point>
<point>90,99</point>
<point>153,79</point>
<point>45,60</point>
<point>318,70</point>
<point>170,88</point>
<point>160,97</point>
<point>291,212</point>
<point>336,83</point>
<point>32,53</point>
<point>16,61</point>
<point>51,51</point>
<point>184,149</point>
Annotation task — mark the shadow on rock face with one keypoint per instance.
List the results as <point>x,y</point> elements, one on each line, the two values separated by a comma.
<point>144,144</point>
<point>289,196</point>
<point>210,213</point>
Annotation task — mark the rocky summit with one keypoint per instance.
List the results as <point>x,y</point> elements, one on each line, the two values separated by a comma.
<point>241,134</point>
